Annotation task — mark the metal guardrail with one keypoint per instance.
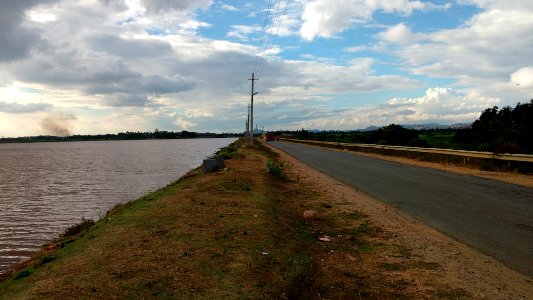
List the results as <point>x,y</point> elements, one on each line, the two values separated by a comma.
<point>487,155</point>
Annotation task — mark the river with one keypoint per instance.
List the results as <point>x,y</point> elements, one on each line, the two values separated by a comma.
<point>46,187</point>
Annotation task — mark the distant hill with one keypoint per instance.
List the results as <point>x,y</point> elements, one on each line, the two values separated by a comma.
<point>437,126</point>
<point>425,126</point>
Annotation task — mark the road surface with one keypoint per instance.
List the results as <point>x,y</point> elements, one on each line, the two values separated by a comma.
<point>492,216</point>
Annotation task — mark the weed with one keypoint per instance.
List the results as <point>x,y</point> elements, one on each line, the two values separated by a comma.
<point>486,165</point>
<point>402,251</point>
<point>46,259</point>
<point>362,229</point>
<point>354,215</point>
<point>275,169</point>
<point>76,229</point>
<point>301,268</point>
<point>234,184</point>
<point>393,267</point>
<point>452,294</point>
<point>428,265</point>
<point>525,169</point>
<point>266,151</point>
<point>231,151</point>
<point>22,274</point>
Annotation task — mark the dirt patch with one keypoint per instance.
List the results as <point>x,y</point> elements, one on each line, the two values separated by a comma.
<point>440,260</point>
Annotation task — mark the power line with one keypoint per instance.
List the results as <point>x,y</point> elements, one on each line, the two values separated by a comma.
<point>275,36</point>
<point>271,33</point>
<point>263,30</point>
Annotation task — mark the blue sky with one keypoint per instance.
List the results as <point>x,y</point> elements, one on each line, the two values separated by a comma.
<point>105,66</point>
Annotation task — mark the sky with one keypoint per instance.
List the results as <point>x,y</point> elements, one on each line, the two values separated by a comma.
<point>109,66</point>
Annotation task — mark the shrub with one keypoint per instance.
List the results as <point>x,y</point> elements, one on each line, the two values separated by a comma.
<point>275,169</point>
<point>230,151</point>
<point>77,228</point>
<point>22,274</point>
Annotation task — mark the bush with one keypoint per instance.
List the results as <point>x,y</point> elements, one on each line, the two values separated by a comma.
<point>76,229</point>
<point>22,274</point>
<point>275,169</point>
<point>231,151</point>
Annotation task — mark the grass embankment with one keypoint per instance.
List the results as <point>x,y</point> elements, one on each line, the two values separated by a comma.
<point>238,233</point>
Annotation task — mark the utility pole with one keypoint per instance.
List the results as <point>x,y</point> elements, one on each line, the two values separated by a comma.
<point>252,111</point>
<point>247,132</point>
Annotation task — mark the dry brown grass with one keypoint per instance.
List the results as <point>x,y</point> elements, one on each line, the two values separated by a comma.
<point>233,234</point>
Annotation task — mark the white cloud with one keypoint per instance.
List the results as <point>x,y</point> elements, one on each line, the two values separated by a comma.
<point>376,47</point>
<point>399,34</point>
<point>228,7</point>
<point>325,18</point>
<point>41,17</point>
<point>184,124</point>
<point>491,44</point>
<point>482,55</point>
<point>523,77</point>
<point>438,105</point>
<point>194,25</point>
<point>242,32</point>
<point>500,4</point>
<point>297,79</point>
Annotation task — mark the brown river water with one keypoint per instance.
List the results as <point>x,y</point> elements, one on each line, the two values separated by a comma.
<point>46,187</point>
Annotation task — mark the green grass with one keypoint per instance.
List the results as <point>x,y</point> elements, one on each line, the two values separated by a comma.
<point>231,151</point>
<point>438,139</point>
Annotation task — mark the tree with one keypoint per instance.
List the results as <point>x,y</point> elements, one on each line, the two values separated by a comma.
<point>394,135</point>
<point>505,130</point>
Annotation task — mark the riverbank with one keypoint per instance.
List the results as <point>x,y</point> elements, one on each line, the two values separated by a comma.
<point>241,233</point>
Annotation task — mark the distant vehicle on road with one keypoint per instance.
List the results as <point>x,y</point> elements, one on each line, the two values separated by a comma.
<point>269,137</point>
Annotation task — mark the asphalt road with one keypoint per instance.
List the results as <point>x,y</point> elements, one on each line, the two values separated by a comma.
<point>492,216</point>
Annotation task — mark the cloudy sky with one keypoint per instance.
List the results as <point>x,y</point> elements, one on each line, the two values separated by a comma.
<point>105,66</point>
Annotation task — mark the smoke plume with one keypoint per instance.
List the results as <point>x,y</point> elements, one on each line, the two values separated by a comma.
<point>57,124</point>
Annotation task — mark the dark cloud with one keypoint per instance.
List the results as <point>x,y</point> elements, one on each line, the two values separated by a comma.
<point>162,6</point>
<point>157,84</point>
<point>72,68</point>
<point>16,39</point>
<point>124,99</point>
<point>129,48</point>
<point>15,108</point>
<point>99,74</point>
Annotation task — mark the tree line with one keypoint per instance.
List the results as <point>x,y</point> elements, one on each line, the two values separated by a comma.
<point>128,135</point>
<point>505,130</point>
